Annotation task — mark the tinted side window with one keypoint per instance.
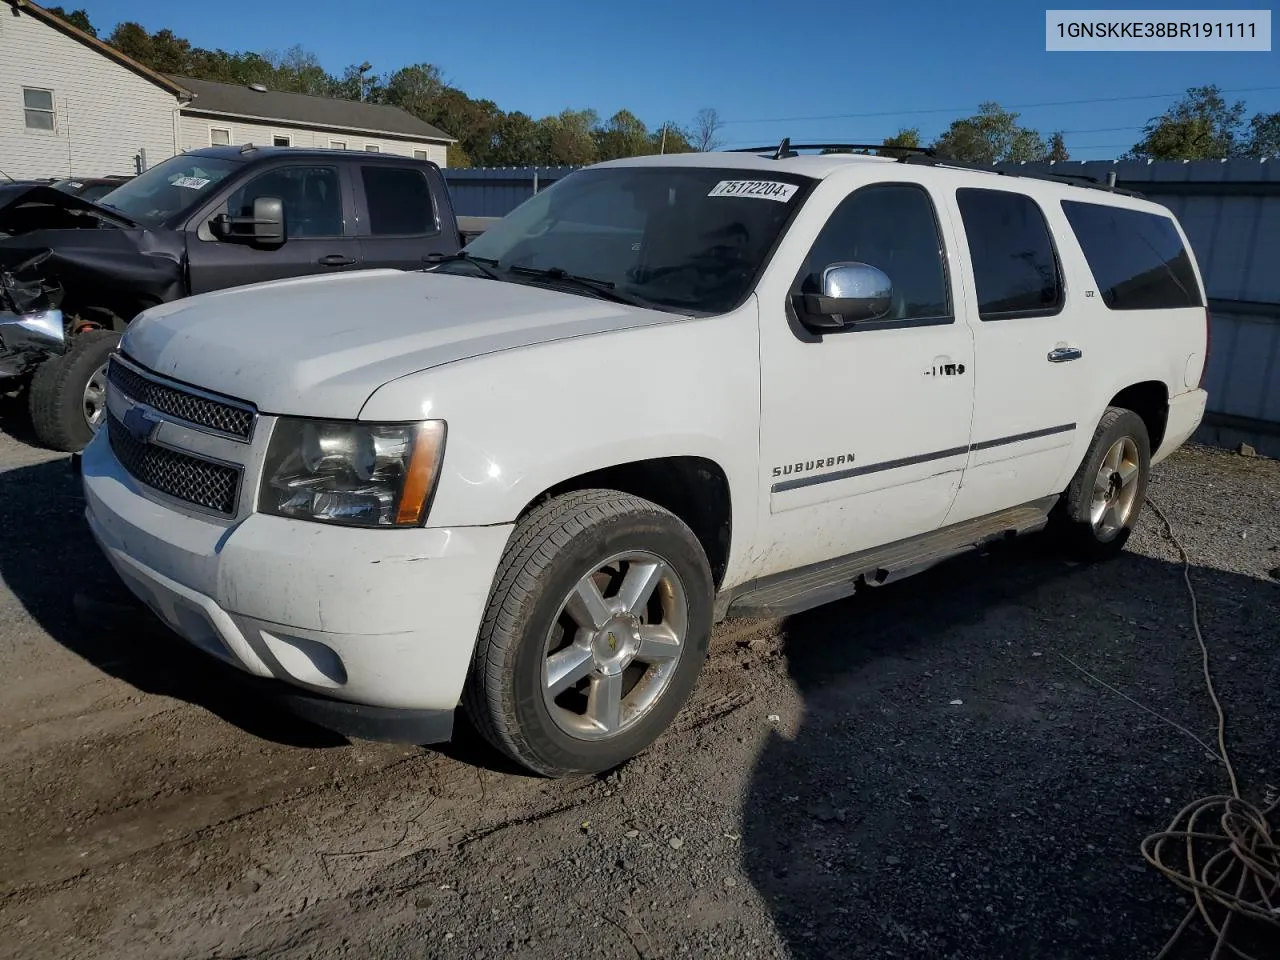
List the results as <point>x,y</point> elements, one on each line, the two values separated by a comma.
<point>1137,259</point>
<point>1014,265</point>
<point>400,202</point>
<point>312,199</point>
<point>892,227</point>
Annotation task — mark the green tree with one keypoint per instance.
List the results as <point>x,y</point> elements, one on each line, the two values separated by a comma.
<point>1263,136</point>
<point>669,138</point>
<point>515,141</point>
<point>77,18</point>
<point>566,137</point>
<point>1057,148</point>
<point>992,135</point>
<point>624,135</point>
<point>297,70</point>
<point>133,40</point>
<point>473,122</point>
<point>906,137</point>
<point>413,88</point>
<point>1200,126</point>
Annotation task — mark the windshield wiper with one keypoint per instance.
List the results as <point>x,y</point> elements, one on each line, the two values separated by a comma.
<point>485,265</point>
<point>605,289</point>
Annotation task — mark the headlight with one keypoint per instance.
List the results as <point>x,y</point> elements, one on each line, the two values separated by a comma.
<point>362,474</point>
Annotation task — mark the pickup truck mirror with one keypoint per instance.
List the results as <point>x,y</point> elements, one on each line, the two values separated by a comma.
<point>264,227</point>
<point>852,293</point>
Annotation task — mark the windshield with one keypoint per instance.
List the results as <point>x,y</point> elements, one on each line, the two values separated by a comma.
<point>684,239</point>
<point>168,188</point>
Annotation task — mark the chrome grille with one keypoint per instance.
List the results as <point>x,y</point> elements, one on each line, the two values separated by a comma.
<point>214,486</point>
<point>202,411</point>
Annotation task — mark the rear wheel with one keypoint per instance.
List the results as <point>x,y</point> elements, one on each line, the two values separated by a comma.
<point>1103,502</point>
<point>596,631</point>
<point>68,394</point>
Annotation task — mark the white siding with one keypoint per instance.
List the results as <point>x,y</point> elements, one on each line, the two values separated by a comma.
<point>195,134</point>
<point>104,112</point>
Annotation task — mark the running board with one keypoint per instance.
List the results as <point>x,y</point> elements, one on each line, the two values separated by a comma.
<point>796,590</point>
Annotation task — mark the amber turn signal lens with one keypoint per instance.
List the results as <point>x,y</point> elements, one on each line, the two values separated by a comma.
<point>424,470</point>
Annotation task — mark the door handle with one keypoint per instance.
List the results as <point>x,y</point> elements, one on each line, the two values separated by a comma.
<point>1063,354</point>
<point>336,260</point>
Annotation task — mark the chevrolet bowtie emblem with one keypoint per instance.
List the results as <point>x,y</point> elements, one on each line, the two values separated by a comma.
<point>140,423</point>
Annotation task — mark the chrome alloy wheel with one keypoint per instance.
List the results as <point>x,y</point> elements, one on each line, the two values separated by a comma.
<point>614,646</point>
<point>95,398</point>
<point>1115,490</point>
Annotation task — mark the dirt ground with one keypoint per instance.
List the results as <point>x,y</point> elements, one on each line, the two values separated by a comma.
<point>915,772</point>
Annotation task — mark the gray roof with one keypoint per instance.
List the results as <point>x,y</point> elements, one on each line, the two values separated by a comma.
<point>300,109</point>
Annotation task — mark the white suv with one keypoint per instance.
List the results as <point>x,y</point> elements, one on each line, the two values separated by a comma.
<point>666,390</point>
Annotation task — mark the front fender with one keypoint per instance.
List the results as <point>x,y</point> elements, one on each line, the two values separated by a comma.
<point>524,420</point>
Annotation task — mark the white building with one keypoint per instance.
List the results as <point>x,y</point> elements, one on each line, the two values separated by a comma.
<point>70,105</point>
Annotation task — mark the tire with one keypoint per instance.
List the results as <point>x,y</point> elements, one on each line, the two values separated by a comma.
<point>1101,506</point>
<point>532,625</point>
<point>58,391</point>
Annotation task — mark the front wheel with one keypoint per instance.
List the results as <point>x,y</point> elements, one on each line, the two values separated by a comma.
<point>1101,507</point>
<point>595,633</point>
<point>68,395</point>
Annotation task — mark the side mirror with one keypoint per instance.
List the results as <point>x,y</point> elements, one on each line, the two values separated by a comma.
<point>265,227</point>
<point>852,293</point>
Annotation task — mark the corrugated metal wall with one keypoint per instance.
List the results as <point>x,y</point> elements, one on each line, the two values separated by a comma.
<point>1230,210</point>
<point>496,191</point>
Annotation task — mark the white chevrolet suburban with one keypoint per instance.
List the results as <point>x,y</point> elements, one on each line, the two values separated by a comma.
<point>526,481</point>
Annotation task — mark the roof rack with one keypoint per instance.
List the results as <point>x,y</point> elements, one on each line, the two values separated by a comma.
<point>786,148</point>
<point>1074,180</point>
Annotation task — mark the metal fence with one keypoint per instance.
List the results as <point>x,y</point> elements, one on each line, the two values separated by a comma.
<point>1230,210</point>
<point>496,191</point>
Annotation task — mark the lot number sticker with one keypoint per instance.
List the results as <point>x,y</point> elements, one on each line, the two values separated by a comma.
<point>759,189</point>
<point>192,183</point>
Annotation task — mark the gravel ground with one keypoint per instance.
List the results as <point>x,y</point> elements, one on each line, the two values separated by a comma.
<point>916,772</point>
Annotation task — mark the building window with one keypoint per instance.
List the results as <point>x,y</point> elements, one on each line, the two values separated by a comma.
<point>421,155</point>
<point>337,144</point>
<point>38,106</point>
<point>281,140</point>
<point>373,148</point>
<point>219,136</point>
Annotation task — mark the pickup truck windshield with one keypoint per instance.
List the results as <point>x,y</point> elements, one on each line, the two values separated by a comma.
<point>682,239</point>
<point>168,188</point>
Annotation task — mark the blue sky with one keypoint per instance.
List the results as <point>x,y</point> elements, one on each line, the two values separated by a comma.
<point>921,64</point>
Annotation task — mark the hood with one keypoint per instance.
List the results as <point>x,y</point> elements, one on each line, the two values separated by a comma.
<point>319,346</point>
<point>28,206</point>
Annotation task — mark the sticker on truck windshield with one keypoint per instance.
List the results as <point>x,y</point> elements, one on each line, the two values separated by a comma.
<point>760,189</point>
<point>192,183</point>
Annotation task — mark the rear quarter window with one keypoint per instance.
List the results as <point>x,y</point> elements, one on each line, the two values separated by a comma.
<point>400,201</point>
<point>1137,259</point>
<point>1015,265</point>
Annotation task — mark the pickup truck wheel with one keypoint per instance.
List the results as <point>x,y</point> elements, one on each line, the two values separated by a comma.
<point>595,633</point>
<point>68,398</point>
<point>1101,507</point>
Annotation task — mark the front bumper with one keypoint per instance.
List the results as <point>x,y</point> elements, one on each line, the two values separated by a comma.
<point>372,630</point>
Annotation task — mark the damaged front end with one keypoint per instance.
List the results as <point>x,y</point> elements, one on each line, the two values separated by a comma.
<point>88,265</point>
<point>31,325</point>
<point>28,339</point>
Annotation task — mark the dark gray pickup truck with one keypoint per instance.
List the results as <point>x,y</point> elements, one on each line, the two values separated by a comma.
<point>201,221</point>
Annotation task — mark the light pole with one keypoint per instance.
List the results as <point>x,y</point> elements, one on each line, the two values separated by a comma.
<point>364,68</point>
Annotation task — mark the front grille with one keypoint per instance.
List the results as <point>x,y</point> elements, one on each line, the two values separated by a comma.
<point>202,411</point>
<point>214,486</point>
